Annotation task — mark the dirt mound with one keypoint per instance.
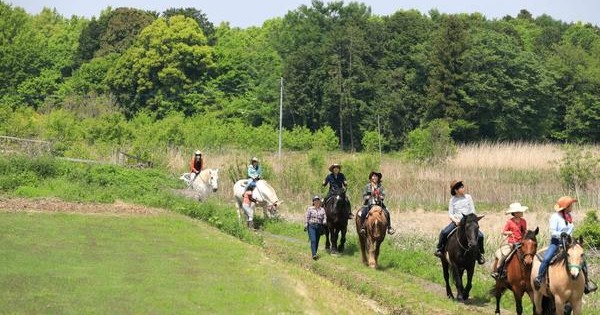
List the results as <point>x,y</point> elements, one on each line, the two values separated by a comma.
<point>56,205</point>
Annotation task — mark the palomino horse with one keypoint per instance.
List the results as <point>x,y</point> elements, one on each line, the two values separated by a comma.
<point>336,209</point>
<point>518,272</point>
<point>264,195</point>
<point>205,183</point>
<point>375,226</point>
<point>460,254</point>
<point>565,280</point>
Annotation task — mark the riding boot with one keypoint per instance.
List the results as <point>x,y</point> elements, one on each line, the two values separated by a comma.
<point>363,219</point>
<point>481,258</point>
<point>251,225</point>
<point>390,229</point>
<point>590,286</point>
<point>440,245</point>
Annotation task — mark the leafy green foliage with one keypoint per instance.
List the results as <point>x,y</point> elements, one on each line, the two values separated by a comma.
<point>578,167</point>
<point>590,230</point>
<point>431,144</point>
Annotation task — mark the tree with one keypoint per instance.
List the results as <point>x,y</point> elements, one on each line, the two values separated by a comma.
<point>169,60</point>
<point>122,27</point>
<point>197,15</point>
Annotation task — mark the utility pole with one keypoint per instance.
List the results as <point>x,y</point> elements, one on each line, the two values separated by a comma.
<point>379,134</point>
<point>280,113</point>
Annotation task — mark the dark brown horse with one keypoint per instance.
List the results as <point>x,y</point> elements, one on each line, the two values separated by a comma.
<point>460,255</point>
<point>518,272</point>
<point>336,209</point>
<point>375,226</point>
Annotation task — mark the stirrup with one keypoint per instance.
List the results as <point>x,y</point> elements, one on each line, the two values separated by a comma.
<point>438,253</point>
<point>481,260</point>
<point>537,282</point>
<point>391,231</point>
<point>495,275</point>
<point>590,287</point>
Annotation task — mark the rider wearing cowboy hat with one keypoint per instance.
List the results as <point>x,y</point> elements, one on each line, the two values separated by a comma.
<point>561,225</point>
<point>373,193</point>
<point>337,182</point>
<point>514,229</point>
<point>461,204</point>
<point>254,173</point>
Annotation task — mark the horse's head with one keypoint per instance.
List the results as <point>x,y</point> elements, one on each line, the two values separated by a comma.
<point>575,258</point>
<point>470,225</point>
<point>213,180</point>
<point>529,246</point>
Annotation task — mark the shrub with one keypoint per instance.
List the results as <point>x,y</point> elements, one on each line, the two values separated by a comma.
<point>590,230</point>
<point>578,167</point>
<point>325,139</point>
<point>430,144</point>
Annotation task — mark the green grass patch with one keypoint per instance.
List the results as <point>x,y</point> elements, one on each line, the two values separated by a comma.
<point>166,264</point>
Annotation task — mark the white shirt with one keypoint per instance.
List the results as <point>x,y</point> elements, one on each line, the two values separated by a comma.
<point>460,206</point>
<point>559,225</point>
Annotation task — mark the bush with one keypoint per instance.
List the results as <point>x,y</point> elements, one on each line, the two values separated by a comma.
<point>370,141</point>
<point>590,230</point>
<point>578,167</point>
<point>430,144</point>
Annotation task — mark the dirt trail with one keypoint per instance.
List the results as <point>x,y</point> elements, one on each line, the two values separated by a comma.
<point>56,205</point>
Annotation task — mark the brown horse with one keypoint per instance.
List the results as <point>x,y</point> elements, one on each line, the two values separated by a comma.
<point>565,280</point>
<point>375,226</point>
<point>518,272</point>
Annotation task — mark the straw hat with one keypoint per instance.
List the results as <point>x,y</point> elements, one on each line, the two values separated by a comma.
<point>379,175</point>
<point>454,186</point>
<point>516,207</point>
<point>334,165</point>
<point>254,159</point>
<point>564,202</point>
<point>316,198</point>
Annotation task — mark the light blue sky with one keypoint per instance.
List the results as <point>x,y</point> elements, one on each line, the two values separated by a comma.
<point>254,12</point>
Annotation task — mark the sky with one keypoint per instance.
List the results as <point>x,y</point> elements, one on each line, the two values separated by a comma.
<point>254,12</point>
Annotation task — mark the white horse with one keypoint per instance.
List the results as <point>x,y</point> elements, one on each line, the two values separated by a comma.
<point>264,195</point>
<point>205,183</point>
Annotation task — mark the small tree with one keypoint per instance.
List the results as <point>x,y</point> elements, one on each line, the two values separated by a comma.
<point>578,167</point>
<point>430,144</point>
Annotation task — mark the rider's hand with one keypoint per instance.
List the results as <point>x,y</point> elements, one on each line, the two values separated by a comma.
<point>564,234</point>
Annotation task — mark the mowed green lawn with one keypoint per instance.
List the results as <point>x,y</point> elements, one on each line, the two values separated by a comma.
<point>101,264</point>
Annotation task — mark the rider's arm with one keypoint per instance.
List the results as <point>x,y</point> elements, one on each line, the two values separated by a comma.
<point>452,213</point>
<point>506,230</point>
<point>555,226</point>
<point>326,181</point>
<point>471,203</point>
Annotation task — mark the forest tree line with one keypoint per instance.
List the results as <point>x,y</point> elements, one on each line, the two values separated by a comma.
<point>344,68</point>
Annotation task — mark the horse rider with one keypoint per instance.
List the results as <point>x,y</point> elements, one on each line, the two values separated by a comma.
<point>461,204</point>
<point>514,229</point>
<point>196,165</point>
<point>254,173</point>
<point>373,194</point>
<point>337,182</point>
<point>561,225</point>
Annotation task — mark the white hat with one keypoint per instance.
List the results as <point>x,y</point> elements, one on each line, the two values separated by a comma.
<point>254,159</point>
<point>516,207</point>
<point>198,152</point>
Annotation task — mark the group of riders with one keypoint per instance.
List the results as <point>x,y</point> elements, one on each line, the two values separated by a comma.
<point>461,204</point>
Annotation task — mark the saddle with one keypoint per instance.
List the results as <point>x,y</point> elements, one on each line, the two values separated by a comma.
<point>559,254</point>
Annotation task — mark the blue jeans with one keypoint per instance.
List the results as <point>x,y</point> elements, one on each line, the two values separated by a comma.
<point>314,234</point>
<point>251,184</point>
<point>552,248</point>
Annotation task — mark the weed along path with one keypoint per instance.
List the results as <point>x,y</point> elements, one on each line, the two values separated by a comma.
<point>60,257</point>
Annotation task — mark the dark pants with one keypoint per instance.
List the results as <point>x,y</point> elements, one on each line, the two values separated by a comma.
<point>444,236</point>
<point>314,234</point>
<point>365,212</point>
<point>552,248</point>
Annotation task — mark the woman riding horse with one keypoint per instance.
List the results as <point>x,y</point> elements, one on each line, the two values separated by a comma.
<point>337,183</point>
<point>373,194</point>
<point>514,230</point>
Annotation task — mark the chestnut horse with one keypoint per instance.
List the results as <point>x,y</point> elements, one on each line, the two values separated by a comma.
<point>460,255</point>
<point>375,226</point>
<point>566,281</point>
<point>518,272</point>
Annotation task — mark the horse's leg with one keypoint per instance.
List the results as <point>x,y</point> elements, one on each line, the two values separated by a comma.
<point>334,239</point>
<point>460,289</point>
<point>363,248</point>
<point>559,305</point>
<point>343,239</point>
<point>445,268</point>
<point>371,252</point>
<point>377,245</point>
<point>470,271</point>
<point>576,306</point>
<point>327,242</point>
<point>498,291</point>
<point>518,294</point>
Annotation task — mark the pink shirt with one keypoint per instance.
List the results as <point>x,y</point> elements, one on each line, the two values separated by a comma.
<point>518,230</point>
<point>247,196</point>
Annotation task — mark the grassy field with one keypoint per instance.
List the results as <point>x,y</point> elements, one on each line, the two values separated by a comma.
<point>161,264</point>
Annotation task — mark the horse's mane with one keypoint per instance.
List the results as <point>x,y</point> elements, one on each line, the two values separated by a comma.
<point>530,235</point>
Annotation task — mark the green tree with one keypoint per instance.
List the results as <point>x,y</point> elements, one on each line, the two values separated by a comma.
<point>169,60</point>
<point>197,15</point>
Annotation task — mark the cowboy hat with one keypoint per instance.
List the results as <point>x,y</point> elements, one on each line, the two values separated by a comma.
<point>516,207</point>
<point>254,159</point>
<point>198,152</point>
<point>375,173</point>
<point>564,202</point>
<point>454,186</point>
<point>334,165</point>
<point>316,198</point>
